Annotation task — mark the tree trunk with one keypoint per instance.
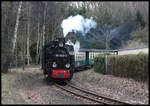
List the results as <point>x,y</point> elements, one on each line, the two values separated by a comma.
<point>23,55</point>
<point>43,33</point>
<point>37,48</point>
<point>28,54</point>
<point>107,41</point>
<point>44,23</point>
<point>55,28</point>
<point>39,56</point>
<point>16,26</point>
<point>16,57</point>
<point>28,36</point>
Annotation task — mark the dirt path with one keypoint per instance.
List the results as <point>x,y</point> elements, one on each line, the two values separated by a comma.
<point>29,87</point>
<point>24,86</point>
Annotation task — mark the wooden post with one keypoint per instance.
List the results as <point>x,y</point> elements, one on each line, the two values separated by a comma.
<point>106,63</point>
<point>87,57</point>
<point>16,57</point>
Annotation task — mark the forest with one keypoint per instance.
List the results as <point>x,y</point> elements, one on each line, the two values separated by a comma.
<point>28,26</point>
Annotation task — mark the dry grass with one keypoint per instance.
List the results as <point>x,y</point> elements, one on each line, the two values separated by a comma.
<point>15,80</point>
<point>89,75</point>
<point>7,80</point>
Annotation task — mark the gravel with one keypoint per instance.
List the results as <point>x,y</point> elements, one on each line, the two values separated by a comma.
<point>122,89</point>
<point>29,87</point>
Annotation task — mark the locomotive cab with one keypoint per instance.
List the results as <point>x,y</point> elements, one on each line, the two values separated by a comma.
<point>58,60</point>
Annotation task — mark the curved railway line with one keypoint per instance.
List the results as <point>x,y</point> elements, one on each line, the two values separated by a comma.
<point>89,95</point>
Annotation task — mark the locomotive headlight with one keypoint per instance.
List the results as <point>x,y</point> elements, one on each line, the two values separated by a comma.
<point>67,65</point>
<point>60,44</point>
<point>54,65</point>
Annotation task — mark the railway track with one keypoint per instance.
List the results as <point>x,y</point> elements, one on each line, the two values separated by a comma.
<point>89,95</point>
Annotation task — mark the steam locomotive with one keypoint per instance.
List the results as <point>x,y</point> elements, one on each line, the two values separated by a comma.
<point>58,60</point>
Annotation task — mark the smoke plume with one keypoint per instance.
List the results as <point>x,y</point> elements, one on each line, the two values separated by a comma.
<point>77,24</point>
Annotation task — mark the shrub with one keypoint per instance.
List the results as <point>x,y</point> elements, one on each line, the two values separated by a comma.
<point>130,66</point>
<point>99,63</point>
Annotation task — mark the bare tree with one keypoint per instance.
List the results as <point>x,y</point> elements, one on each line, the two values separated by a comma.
<point>38,40</point>
<point>106,31</point>
<point>9,11</point>
<point>28,34</point>
<point>45,9</point>
<point>16,29</point>
<point>16,26</point>
<point>32,23</point>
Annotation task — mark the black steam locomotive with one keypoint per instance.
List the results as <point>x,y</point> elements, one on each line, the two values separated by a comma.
<point>58,60</point>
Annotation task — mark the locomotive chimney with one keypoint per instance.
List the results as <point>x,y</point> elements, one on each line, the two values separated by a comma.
<point>61,40</point>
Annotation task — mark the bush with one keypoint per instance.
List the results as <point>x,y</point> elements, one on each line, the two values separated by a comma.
<point>141,36</point>
<point>99,63</point>
<point>130,66</point>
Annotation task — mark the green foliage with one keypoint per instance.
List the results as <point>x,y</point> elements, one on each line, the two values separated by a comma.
<point>140,19</point>
<point>99,63</point>
<point>131,66</point>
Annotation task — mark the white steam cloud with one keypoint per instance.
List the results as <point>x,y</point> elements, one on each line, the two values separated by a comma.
<point>77,23</point>
<point>76,46</point>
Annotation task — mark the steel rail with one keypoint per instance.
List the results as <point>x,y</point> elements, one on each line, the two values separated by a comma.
<point>99,96</point>
<point>86,97</point>
<point>102,99</point>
